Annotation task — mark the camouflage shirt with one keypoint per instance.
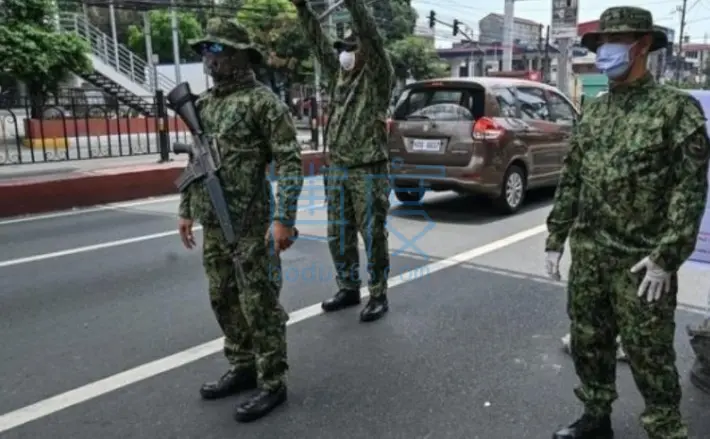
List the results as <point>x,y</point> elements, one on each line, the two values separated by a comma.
<point>635,178</point>
<point>356,131</point>
<point>250,126</point>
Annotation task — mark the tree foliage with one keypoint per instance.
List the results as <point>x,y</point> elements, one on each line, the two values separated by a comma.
<point>276,31</point>
<point>410,55</point>
<point>396,18</point>
<point>162,36</point>
<point>33,52</point>
<point>416,57</point>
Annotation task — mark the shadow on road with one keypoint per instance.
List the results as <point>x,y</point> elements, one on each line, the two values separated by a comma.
<point>470,209</point>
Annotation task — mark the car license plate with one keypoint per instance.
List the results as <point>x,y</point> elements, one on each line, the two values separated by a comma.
<point>426,145</point>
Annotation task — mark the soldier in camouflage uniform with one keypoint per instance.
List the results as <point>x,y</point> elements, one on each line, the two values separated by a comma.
<point>631,198</point>
<point>361,77</point>
<point>250,127</point>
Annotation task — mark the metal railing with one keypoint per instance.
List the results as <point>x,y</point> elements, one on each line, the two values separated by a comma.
<point>80,125</point>
<point>116,55</point>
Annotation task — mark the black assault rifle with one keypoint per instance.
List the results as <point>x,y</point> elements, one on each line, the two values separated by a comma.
<point>203,166</point>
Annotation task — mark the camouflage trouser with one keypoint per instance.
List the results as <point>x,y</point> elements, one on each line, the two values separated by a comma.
<point>251,317</point>
<point>602,303</point>
<point>358,201</point>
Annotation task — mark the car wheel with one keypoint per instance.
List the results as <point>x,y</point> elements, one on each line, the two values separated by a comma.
<point>512,191</point>
<point>409,195</point>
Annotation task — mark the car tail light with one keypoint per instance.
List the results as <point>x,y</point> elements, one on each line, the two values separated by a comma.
<point>486,129</point>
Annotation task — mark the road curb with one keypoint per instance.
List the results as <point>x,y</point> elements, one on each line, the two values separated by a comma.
<point>25,196</point>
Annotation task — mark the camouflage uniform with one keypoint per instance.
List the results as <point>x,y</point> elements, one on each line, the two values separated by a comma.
<point>357,179</point>
<point>634,185</point>
<point>250,127</point>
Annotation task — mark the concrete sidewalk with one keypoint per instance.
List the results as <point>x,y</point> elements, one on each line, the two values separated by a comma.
<point>47,187</point>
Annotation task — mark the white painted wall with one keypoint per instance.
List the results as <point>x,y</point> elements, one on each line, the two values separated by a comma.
<point>192,73</point>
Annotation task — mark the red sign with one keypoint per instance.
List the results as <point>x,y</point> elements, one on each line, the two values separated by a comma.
<point>531,75</point>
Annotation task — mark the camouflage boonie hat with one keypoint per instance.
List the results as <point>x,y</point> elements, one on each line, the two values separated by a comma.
<point>624,20</point>
<point>228,33</point>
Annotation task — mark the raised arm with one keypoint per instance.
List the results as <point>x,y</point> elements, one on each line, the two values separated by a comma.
<point>688,191</point>
<point>372,44</point>
<point>279,129</point>
<point>322,45</point>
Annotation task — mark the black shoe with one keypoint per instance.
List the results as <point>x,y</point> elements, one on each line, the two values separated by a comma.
<point>587,427</point>
<point>374,310</point>
<point>342,299</point>
<point>260,405</point>
<point>232,382</point>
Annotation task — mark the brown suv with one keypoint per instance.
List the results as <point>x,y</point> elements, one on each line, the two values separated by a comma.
<point>493,136</point>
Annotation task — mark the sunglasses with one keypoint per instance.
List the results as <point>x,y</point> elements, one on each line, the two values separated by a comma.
<point>213,48</point>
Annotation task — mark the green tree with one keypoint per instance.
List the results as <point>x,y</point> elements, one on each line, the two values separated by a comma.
<point>416,57</point>
<point>162,35</point>
<point>276,31</point>
<point>410,55</point>
<point>397,18</point>
<point>33,52</point>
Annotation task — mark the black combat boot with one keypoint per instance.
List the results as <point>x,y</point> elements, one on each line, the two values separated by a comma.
<point>374,310</point>
<point>587,427</point>
<point>342,299</point>
<point>260,405</point>
<point>232,382</point>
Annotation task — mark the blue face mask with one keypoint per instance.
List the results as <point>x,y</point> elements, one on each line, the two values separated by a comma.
<point>613,59</point>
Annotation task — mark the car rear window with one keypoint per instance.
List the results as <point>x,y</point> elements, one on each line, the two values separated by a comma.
<point>443,104</point>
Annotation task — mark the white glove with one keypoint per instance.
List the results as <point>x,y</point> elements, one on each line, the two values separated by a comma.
<point>655,283</point>
<point>552,264</point>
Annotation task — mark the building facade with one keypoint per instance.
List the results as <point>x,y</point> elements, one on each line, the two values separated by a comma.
<point>525,32</point>
<point>697,58</point>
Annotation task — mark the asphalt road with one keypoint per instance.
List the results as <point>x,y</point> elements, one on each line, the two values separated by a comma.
<point>469,350</point>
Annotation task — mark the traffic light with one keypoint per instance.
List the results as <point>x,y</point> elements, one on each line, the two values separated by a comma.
<point>432,19</point>
<point>456,27</point>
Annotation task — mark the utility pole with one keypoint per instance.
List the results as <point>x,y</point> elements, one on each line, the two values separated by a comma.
<point>114,35</point>
<point>508,24</point>
<point>546,61</point>
<point>176,41</point>
<point>540,42</point>
<point>680,58</point>
<point>148,35</point>
<point>565,14</point>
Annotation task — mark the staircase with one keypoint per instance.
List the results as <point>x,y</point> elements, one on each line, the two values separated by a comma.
<point>117,71</point>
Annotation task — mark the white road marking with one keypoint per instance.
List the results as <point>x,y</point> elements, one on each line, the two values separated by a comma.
<point>105,207</point>
<point>81,211</point>
<point>109,244</point>
<point>109,384</point>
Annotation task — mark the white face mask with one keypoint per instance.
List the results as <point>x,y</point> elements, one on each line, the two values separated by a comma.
<point>347,60</point>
